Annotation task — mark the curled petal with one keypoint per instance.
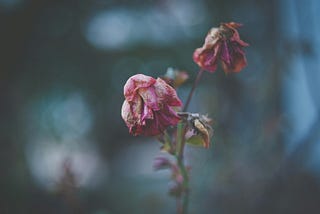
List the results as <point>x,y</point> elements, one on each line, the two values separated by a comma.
<point>225,53</point>
<point>212,38</point>
<point>166,93</point>
<point>167,116</point>
<point>207,58</point>
<point>233,58</point>
<point>125,112</point>
<point>127,116</point>
<point>134,83</point>
<point>147,113</point>
<point>232,25</point>
<point>149,97</point>
<point>136,107</point>
<point>236,38</point>
<point>202,129</point>
<point>162,119</point>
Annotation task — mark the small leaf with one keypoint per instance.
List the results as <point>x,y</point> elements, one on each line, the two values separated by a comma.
<point>196,140</point>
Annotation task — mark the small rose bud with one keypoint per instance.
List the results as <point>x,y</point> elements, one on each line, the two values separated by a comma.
<point>149,104</point>
<point>161,163</point>
<point>222,44</point>
<point>200,130</point>
<point>175,77</point>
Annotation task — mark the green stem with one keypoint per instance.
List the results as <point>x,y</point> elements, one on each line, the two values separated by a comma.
<point>181,131</point>
<point>192,89</point>
<point>179,155</point>
<point>185,184</point>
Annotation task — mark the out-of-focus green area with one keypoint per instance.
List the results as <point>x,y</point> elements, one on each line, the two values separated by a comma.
<point>65,149</point>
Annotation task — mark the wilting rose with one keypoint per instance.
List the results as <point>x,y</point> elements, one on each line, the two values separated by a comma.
<point>222,44</point>
<point>148,106</point>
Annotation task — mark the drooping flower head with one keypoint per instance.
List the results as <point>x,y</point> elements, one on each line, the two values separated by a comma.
<point>222,44</point>
<point>148,106</point>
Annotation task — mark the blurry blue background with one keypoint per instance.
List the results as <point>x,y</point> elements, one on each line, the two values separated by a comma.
<point>65,149</point>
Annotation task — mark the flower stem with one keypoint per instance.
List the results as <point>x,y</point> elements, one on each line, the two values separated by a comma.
<point>179,155</point>
<point>185,184</point>
<point>192,89</point>
<point>181,131</point>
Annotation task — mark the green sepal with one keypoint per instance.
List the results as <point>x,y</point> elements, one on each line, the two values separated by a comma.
<point>196,140</point>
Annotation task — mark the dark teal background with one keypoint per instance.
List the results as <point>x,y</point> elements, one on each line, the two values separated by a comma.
<point>65,149</point>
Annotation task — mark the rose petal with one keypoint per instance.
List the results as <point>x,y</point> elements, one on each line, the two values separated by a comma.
<point>149,97</point>
<point>166,93</point>
<point>134,83</point>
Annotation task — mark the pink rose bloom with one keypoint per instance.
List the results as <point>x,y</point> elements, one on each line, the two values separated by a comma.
<point>222,44</point>
<point>148,106</point>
